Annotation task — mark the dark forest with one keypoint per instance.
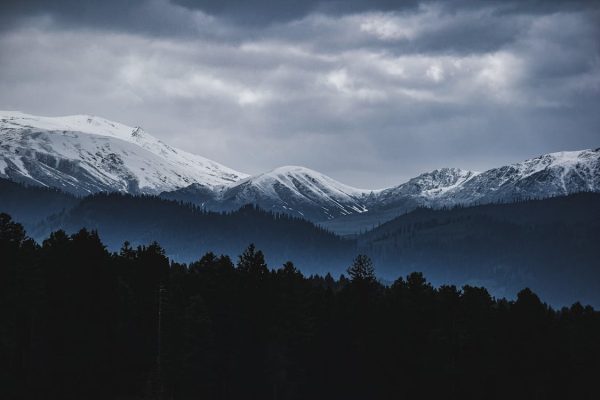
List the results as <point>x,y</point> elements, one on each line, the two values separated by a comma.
<point>80,322</point>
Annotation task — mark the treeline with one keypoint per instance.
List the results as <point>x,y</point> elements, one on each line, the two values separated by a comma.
<point>79,322</point>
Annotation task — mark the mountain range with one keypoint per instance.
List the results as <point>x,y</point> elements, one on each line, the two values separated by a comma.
<point>84,155</point>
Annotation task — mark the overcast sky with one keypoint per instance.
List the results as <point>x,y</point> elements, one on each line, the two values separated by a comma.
<point>365,91</point>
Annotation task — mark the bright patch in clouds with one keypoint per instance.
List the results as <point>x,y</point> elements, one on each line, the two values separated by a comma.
<point>388,27</point>
<point>435,73</point>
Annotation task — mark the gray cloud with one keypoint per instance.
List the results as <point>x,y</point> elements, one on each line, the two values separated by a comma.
<point>132,14</point>
<point>365,92</point>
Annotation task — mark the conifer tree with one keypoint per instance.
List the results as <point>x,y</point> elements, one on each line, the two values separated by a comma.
<point>252,261</point>
<point>362,269</point>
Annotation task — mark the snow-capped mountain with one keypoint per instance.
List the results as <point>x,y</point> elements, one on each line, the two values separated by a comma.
<point>84,154</point>
<point>301,191</point>
<point>549,175</point>
<point>425,188</point>
<point>297,190</point>
<point>384,205</point>
<point>291,189</point>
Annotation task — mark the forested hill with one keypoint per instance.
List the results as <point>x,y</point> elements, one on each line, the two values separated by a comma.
<point>186,232</point>
<point>550,245</point>
<point>81,323</point>
<point>31,204</point>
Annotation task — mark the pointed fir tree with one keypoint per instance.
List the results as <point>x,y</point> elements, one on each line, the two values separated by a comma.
<point>362,269</point>
<point>252,261</point>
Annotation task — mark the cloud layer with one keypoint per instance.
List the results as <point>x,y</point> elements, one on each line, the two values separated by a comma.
<point>365,92</point>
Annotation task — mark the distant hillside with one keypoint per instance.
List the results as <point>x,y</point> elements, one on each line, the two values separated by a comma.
<point>187,232</point>
<point>31,204</point>
<point>549,245</point>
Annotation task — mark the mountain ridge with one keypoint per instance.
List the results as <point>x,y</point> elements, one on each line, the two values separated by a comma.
<point>84,154</point>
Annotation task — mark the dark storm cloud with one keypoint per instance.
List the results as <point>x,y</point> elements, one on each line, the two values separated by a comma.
<point>474,25</point>
<point>261,11</point>
<point>150,17</point>
<point>369,92</point>
<point>138,14</point>
<point>112,12</point>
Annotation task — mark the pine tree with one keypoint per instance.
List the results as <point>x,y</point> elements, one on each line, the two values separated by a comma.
<point>362,269</point>
<point>252,261</point>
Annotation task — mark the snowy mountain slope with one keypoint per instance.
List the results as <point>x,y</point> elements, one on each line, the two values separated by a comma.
<point>426,188</point>
<point>343,209</point>
<point>84,154</point>
<point>549,175</point>
<point>297,190</point>
<point>291,189</point>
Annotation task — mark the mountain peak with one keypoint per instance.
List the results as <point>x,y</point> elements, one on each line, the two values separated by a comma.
<point>294,169</point>
<point>430,185</point>
<point>86,154</point>
<point>137,132</point>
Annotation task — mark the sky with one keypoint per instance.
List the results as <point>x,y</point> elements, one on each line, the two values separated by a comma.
<point>369,92</point>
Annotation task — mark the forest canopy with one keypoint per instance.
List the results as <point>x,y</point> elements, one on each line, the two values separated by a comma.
<point>82,322</point>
